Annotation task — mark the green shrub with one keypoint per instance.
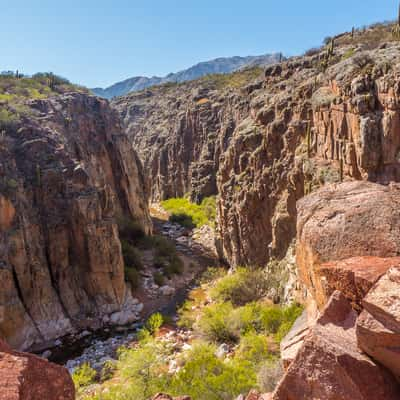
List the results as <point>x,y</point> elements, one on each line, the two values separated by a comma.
<point>132,276</point>
<point>290,314</point>
<point>158,278</point>
<point>83,376</point>
<point>221,322</point>
<point>215,323</point>
<point>253,348</point>
<point>154,323</point>
<point>163,246</point>
<point>242,286</point>
<point>8,119</point>
<point>131,255</point>
<point>247,318</point>
<point>142,368</point>
<point>182,219</point>
<point>107,371</point>
<point>272,318</point>
<point>212,274</point>
<point>175,266</point>
<point>130,230</point>
<point>190,214</point>
<point>166,256</point>
<point>206,377</point>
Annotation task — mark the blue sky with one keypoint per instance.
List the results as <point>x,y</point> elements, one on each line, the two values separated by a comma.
<point>97,42</point>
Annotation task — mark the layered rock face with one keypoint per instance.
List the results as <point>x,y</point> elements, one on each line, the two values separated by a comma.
<point>66,172</point>
<point>303,128</point>
<point>262,145</point>
<point>180,133</point>
<point>27,377</point>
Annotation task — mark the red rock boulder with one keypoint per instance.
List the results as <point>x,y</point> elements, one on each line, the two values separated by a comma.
<point>342,221</point>
<point>378,327</point>
<point>25,376</point>
<point>354,277</point>
<point>330,366</point>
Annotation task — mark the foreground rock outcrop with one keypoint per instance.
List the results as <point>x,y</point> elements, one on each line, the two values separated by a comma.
<point>330,366</point>
<point>27,377</point>
<point>348,235</point>
<point>66,172</point>
<point>378,326</point>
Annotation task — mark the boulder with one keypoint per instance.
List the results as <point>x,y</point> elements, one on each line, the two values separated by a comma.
<point>378,326</point>
<point>293,341</point>
<point>28,377</point>
<point>330,366</point>
<point>354,277</point>
<point>341,221</point>
<point>167,290</point>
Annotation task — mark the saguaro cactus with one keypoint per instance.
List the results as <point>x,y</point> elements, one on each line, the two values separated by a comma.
<point>396,28</point>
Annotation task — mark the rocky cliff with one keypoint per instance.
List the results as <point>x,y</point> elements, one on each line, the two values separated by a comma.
<point>66,172</point>
<point>181,131</point>
<point>262,142</point>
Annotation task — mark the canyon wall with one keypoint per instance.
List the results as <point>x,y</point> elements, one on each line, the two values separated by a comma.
<point>180,134</point>
<point>263,144</point>
<point>67,171</point>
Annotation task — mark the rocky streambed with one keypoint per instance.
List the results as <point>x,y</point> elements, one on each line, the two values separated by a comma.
<point>98,347</point>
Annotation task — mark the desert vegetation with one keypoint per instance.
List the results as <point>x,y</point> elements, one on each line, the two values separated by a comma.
<point>16,89</point>
<point>134,242</point>
<point>189,214</point>
<point>234,345</point>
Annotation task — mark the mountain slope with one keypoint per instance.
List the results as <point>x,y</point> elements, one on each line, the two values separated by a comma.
<point>216,66</point>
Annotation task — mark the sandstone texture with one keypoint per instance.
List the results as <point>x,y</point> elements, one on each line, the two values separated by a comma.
<point>378,326</point>
<point>354,277</point>
<point>260,144</point>
<point>293,341</point>
<point>66,173</point>
<point>341,221</point>
<point>330,366</point>
<point>27,377</point>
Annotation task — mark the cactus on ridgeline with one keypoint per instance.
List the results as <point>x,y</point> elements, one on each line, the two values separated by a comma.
<point>331,48</point>
<point>352,32</point>
<point>396,28</point>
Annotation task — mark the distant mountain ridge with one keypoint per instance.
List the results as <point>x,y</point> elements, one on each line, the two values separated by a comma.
<point>221,65</point>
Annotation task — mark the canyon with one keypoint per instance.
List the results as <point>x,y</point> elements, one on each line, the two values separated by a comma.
<point>303,158</point>
<point>67,172</point>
